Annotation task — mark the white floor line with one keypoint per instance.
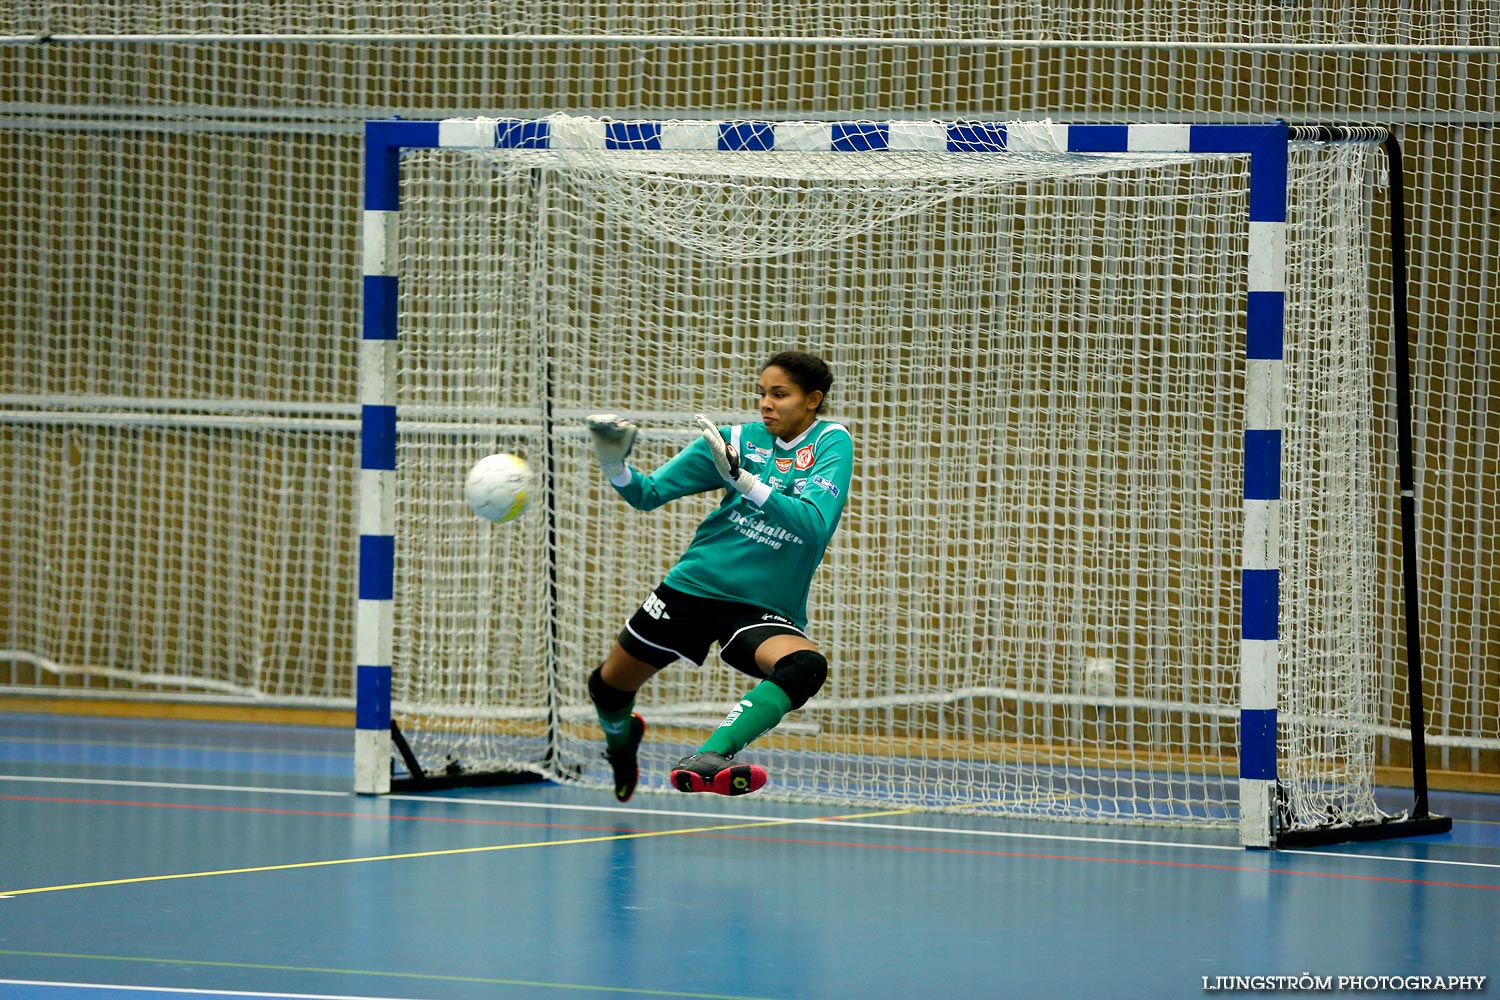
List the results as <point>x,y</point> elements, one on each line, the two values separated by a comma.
<point>626,811</point>
<point>1387,857</point>
<point>123,783</point>
<point>833,821</point>
<point>174,989</point>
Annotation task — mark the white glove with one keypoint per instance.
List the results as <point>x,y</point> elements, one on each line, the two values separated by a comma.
<point>726,459</point>
<point>614,436</point>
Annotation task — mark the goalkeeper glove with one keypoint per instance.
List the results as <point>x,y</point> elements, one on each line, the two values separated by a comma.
<point>614,436</point>
<point>726,459</point>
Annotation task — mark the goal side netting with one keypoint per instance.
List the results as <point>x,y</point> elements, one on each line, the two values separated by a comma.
<point>1037,601</point>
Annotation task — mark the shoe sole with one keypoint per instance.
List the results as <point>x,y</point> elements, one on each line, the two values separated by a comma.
<point>737,779</point>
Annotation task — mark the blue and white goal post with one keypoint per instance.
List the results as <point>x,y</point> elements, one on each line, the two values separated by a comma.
<point>1264,310</point>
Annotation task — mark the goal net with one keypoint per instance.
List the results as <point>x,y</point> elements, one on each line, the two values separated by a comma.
<point>1035,603</point>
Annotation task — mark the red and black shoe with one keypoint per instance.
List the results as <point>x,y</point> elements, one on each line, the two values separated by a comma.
<point>706,771</point>
<point>623,761</point>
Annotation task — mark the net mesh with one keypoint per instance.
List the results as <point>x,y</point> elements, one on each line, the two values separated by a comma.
<point>1031,605</point>
<point>1340,477</point>
<point>181,466</point>
<point>180,242</point>
<point>1432,23</point>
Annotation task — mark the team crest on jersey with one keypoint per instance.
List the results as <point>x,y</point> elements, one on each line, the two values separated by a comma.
<point>784,464</point>
<point>804,457</point>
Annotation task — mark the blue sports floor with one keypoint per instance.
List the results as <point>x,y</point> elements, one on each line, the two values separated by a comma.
<point>150,859</point>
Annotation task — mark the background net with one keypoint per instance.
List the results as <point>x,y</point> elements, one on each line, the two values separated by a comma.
<point>177,368</point>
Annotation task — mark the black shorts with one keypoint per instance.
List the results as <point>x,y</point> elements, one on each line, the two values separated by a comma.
<point>671,624</point>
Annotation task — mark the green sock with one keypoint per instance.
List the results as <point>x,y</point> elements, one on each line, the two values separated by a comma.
<point>616,725</point>
<point>756,714</point>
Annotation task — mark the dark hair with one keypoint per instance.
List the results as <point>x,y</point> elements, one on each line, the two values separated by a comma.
<point>809,371</point>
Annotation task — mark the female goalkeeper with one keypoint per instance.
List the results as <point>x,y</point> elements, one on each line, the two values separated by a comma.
<point>744,578</point>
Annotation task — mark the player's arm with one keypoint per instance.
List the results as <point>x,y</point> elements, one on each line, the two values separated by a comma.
<point>689,471</point>
<point>814,513</point>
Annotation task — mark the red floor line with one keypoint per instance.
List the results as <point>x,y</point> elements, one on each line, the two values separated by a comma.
<point>335,814</point>
<point>1080,857</point>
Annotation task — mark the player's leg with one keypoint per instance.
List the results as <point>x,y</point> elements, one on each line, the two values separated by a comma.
<point>664,628</point>
<point>612,688</point>
<point>794,670</point>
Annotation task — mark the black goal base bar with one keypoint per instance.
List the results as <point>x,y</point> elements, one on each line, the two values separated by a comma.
<point>1419,822</point>
<point>456,776</point>
<point>423,782</point>
<point>1396,826</point>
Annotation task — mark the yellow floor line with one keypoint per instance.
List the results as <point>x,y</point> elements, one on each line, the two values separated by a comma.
<point>610,838</point>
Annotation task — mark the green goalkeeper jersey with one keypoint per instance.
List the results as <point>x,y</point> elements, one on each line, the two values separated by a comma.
<point>760,548</point>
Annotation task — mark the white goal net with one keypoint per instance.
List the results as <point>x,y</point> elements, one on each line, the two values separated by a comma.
<point>1032,604</point>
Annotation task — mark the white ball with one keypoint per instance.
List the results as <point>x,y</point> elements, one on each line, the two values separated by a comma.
<point>498,487</point>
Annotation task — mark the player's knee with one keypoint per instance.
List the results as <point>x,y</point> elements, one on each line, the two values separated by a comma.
<point>609,698</point>
<point>800,675</point>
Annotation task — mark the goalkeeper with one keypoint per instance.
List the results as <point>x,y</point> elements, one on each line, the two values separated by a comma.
<point>744,578</point>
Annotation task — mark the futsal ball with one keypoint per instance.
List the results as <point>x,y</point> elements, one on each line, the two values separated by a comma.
<point>498,487</point>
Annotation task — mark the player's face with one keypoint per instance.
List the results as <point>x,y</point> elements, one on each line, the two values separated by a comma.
<point>785,408</point>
